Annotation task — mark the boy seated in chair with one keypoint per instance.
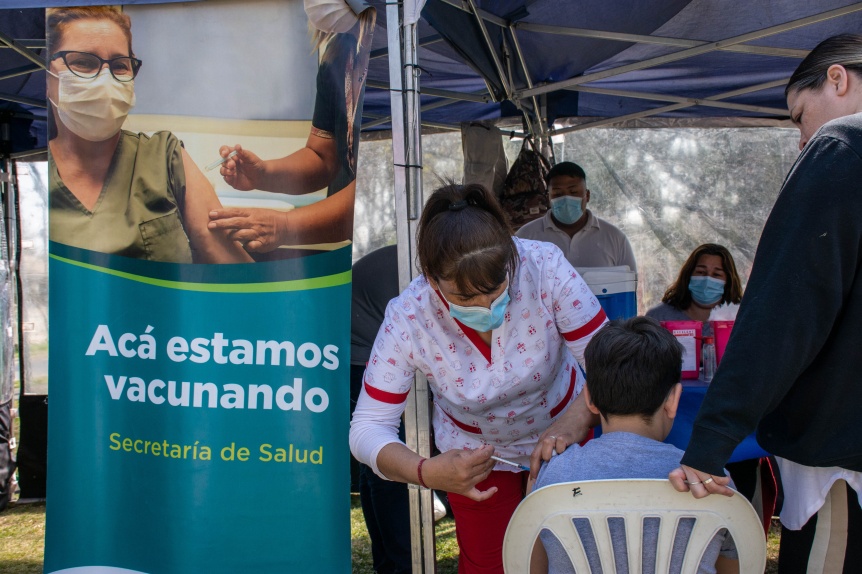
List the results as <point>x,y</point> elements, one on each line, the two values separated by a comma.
<point>633,384</point>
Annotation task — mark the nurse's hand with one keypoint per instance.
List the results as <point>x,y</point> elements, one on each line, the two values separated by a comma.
<point>257,229</point>
<point>460,471</point>
<point>571,427</point>
<point>244,171</point>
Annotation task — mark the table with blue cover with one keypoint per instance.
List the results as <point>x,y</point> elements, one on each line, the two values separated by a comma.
<point>693,392</point>
<point>757,474</point>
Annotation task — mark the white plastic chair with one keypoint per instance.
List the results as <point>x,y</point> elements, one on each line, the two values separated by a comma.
<point>556,507</point>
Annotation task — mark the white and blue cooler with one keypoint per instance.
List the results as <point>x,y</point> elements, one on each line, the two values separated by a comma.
<point>615,288</point>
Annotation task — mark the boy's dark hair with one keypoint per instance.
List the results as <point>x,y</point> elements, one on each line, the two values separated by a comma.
<point>632,365</point>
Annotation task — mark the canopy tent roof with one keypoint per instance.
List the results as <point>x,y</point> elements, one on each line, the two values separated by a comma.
<point>22,72</point>
<point>491,59</point>
<point>22,81</point>
<point>611,61</point>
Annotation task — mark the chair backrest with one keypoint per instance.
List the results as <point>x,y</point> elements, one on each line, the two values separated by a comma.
<point>572,510</point>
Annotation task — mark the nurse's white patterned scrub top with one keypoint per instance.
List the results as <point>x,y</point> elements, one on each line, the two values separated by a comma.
<point>504,395</point>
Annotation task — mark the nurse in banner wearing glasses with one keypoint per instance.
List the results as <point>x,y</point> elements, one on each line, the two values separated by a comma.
<point>111,190</point>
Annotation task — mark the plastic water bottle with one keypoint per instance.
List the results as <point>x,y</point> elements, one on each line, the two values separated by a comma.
<point>708,358</point>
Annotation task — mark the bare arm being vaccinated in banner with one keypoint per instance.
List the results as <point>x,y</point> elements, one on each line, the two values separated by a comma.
<point>114,191</point>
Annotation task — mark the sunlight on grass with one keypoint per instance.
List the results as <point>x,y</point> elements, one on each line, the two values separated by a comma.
<point>22,539</point>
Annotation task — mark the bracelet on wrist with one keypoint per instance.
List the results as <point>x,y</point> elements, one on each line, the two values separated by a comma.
<point>419,473</point>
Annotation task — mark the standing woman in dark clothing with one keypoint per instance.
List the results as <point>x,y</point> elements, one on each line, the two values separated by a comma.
<point>791,366</point>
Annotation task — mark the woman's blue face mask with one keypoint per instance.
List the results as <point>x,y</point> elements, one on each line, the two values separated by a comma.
<point>706,290</point>
<point>479,318</point>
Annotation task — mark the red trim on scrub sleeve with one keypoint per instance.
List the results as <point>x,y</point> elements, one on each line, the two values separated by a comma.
<point>591,326</point>
<point>385,396</point>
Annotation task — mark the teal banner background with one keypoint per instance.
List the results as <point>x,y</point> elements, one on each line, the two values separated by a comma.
<point>112,506</point>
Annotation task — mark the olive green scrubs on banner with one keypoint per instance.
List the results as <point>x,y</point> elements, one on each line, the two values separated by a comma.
<point>137,214</point>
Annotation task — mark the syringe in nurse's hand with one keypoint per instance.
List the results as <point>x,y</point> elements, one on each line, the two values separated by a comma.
<point>510,463</point>
<point>220,161</point>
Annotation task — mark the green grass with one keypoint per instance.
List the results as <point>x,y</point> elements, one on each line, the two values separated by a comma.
<point>22,539</point>
<point>22,535</point>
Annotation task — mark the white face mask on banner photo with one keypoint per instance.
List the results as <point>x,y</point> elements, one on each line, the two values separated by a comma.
<point>334,16</point>
<point>93,108</point>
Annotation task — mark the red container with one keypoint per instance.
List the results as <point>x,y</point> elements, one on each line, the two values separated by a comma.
<point>689,334</point>
<point>721,330</point>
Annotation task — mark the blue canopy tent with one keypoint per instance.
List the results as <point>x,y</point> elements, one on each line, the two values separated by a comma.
<point>540,60</point>
<point>610,62</point>
<point>530,63</point>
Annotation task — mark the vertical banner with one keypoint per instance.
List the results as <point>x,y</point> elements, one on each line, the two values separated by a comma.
<point>201,205</point>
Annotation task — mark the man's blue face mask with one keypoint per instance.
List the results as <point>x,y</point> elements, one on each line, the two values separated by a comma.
<point>567,209</point>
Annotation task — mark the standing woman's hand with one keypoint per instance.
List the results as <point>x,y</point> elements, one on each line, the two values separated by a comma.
<point>700,484</point>
<point>245,171</point>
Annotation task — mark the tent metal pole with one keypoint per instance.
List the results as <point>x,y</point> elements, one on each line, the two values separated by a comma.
<point>681,100</point>
<point>468,6</point>
<point>24,100</point>
<point>12,258</point>
<point>20,71</point>
<point>660,40</point>
<point>437,125</point>
<point>497,64</point>
<point>690,52</point>
<point>540,117</point>
<point>426,107</point>
<point>426,41</point>
<point>28,153</point>
<point>29,43</point>
<point>507,87</point>
<point>670,108</point>
<point>23,50</point>
<point>407,160</point>
<point>482,98</point>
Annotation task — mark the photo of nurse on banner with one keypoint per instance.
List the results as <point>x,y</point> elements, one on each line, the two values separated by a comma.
<point>122,184</point>
<point>328,159</point>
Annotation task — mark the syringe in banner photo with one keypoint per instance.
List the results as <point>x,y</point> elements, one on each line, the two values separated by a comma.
<point>220,161</point>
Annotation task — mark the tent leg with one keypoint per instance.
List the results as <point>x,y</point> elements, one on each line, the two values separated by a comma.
<point>407,159</point>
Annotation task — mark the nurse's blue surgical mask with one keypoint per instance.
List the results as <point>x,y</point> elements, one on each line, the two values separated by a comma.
<point>567,209</point>
<point>706,290</point>
<point>479,318</point>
